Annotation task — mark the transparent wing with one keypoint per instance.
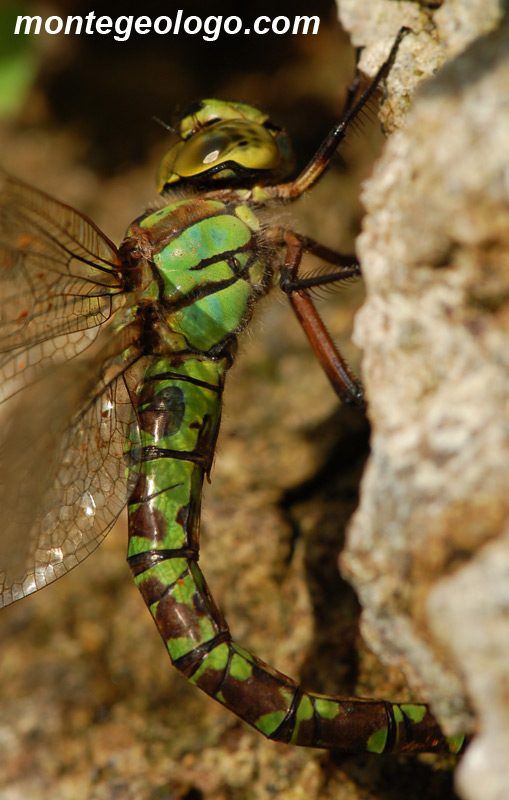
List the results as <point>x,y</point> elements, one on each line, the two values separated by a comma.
<point>62,480</point>
<point>64,412</point>
<point>59,275</point>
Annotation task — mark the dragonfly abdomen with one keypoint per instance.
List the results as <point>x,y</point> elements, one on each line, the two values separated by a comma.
<point>171,448</point>
<point>178,415</point>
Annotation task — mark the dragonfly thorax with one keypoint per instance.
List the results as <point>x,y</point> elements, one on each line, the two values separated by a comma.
<point>208,269</point>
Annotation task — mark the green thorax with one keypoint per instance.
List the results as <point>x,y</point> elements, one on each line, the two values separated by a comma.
<point>207,267</point>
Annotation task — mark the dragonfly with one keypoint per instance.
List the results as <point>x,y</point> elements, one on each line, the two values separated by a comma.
<point>133,345</point>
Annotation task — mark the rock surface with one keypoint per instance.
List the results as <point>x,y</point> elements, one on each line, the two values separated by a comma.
<point>428,548</point>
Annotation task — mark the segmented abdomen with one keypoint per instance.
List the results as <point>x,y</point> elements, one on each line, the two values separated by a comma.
<point>178,415</point>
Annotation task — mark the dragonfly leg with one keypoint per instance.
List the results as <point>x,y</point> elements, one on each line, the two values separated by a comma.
<point>349,266</point>
<point>343,381</point>
<point>323,156</point>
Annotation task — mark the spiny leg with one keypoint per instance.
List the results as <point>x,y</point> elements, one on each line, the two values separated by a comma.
<point>349,265</point>
<point>322,158</point>
<point>354,85</point>
<point>343,381</point>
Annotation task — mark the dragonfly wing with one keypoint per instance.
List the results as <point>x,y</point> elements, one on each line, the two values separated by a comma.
<point>63,411</point>
<point>63,483</point>
<point>59,282</point>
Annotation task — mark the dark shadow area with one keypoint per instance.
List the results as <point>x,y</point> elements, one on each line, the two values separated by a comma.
<point>331,496</point>
<point>400,777</point>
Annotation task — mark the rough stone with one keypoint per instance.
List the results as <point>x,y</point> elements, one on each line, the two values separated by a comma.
<point>428,549</point>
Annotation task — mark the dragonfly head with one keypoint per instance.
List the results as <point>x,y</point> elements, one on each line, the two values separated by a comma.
<point>229,143</point>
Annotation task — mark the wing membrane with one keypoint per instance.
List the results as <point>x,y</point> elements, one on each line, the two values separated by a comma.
<point>59,281</point>
<point>64,411</point>
<point>63,482</point>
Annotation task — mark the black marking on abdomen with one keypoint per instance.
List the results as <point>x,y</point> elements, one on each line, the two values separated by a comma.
<point>176,376</point>
<point>141,562</point>
<point>152,453</point>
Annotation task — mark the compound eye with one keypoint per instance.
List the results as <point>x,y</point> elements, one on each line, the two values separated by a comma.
<point>231,142</point>
<point>245,143</point>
